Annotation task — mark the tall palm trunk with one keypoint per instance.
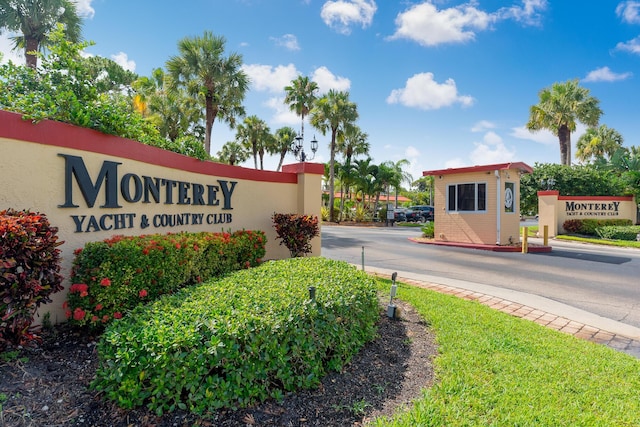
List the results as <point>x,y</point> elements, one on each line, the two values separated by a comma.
<point>332,163</point>
<point>30,49</point>
<point>210,115</point>
<point>564,135</point>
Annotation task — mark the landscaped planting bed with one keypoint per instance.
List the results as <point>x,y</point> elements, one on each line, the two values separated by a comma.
<point>231,342</point>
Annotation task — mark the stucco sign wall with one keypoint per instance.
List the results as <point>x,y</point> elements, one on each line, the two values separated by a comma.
<point>554,209</point>
<point>93,186</point>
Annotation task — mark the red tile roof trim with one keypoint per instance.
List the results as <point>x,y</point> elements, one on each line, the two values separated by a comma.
<point>522,167</point>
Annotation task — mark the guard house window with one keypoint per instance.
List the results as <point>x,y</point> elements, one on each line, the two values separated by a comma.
<point>470,197</point>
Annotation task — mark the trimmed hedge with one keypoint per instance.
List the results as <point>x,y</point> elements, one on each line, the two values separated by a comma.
<point>589,227</point>
<point>112,277</point>
<point>29,272</point>
<point>618,232</point>
<point>238,340</point>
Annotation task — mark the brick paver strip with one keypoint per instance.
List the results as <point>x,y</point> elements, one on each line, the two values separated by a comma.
<point>540,317</point>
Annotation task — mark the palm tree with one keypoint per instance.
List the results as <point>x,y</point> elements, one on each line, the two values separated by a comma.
<point>386,177</point>
<point>598,142</point>
<point>560,108</point>
<point>171,110</point>
<point>333,112</point>
<point>35,19</point>
<point>233,153</point>
<point>365,173</point>
<point>353,143</point>
<point>398,175</point>
<point>346,177</point>
<point>301,95</point>
<point>254,135</point>
<point>281,143</point>
<point>209,77</point>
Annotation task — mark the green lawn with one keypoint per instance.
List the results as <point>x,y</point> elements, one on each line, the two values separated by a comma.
<point>497,370</point>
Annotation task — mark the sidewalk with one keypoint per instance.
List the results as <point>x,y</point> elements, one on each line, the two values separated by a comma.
<point>544,311</point>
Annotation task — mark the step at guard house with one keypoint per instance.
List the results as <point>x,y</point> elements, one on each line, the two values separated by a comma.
<point>478,204</point>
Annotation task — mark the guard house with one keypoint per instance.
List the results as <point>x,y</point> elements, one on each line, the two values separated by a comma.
<point>478,204</point>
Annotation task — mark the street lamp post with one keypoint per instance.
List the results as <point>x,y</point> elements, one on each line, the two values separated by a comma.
<point>297,148</point>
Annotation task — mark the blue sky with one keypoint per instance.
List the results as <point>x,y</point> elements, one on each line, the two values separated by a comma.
<point>440,83</point>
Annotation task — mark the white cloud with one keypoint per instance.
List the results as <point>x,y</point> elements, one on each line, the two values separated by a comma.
<point>423,92</point>
<point>428,26</point>
<point>604,74</point>
<point>123,60</point>
<point>327,80</point>
<point>491,150</point>
<point>482,125</point>
<point>288,41</point>
<point>632,46</point>
<point>529,13</point>
<point>629,11</point>
<point>282,114</point>
<point>269,78</point>
<point>342,14</point>
<point>84,8</point>
<point>542,137</point>
<point>411,152</point>
<point>455,163</point>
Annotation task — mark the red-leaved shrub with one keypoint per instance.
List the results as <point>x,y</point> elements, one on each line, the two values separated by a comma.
<point>29,272</point>
<point>296,231</point>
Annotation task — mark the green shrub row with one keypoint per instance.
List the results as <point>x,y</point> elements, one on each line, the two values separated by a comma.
<point>231,342</point>
<point>613,232</point>
<point>589,226</point>
<point>112,277</point>
<point>29,272</point>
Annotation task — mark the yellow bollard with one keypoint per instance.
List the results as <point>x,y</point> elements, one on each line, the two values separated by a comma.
<point>546,235</point>
<point>525,240</point>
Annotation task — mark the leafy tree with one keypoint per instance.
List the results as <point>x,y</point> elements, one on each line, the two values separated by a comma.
<point>35,19</point>
<point>626,163</point>
<point>301,96</point>
<point>577,180</point>
<point>216,81</point>
<point>559,109</point>
<point>424,185</point>
<point>62,89</point>
<point>281,143</point>
<point>598,142</point>
<point>233,153</point>
<point>333,112</point>
<point>108,76</point>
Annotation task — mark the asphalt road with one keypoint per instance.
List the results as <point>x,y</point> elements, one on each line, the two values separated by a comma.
<point>600,280</point>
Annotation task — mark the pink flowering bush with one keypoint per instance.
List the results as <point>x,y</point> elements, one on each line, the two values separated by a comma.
<point>111,277</point>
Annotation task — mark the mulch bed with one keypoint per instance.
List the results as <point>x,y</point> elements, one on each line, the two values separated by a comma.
<point>48,386</point>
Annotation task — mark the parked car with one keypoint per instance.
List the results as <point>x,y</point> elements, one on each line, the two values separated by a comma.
<point>399,215</point>
<point>413,215</point>
<point>426,212</point>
